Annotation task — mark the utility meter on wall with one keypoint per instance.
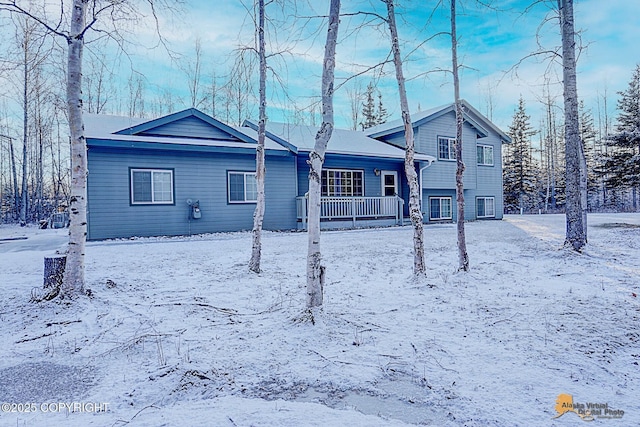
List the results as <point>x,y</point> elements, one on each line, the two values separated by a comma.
<point>195,212</point>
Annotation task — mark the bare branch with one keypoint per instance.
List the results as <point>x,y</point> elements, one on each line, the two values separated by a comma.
<point>14,8</point>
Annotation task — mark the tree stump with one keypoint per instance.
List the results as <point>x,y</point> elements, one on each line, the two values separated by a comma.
<point>54,271</point>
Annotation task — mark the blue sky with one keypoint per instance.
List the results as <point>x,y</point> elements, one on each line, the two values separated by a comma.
<point>490,43</point>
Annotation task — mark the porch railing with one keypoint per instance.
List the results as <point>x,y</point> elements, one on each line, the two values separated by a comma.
<point>353,208</point>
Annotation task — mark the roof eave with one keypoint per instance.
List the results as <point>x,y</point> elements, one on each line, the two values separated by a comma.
<point>251,125</point>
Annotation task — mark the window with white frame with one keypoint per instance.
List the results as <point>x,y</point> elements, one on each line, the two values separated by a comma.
<point>242,187</point>
<point>446,148</point>
<point>486,207</point>
<point>151,186</point>
<point>440,208</point>
<point>485,155</point>
<point>342,183</point>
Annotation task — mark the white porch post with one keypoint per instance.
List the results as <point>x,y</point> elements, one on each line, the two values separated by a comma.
<point>304,211</point>
<point>353,211</point>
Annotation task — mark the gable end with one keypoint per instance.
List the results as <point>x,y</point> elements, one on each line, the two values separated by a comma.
<point>190,123</point>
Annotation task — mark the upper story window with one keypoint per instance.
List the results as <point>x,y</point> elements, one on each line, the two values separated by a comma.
<point>446,148</point>
<point>342,182</point>
<point>151,186</point>
<point>485,155</point>
<point>242,187</point>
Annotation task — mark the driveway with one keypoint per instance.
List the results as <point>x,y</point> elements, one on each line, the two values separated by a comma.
<point>20,239</point>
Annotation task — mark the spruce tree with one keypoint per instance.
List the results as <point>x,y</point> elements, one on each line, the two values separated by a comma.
<point>623,163</point>
<point>369,118</point>
<point>519,175</point>
<point>588,136</point>
<point>381,112</point>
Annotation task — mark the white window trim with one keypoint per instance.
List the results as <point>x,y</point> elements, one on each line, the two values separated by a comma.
<point>452,148</point>
<point>244,174</point>
<point>152,202</point>
<point>493,201</point>
<point>485,146</point>
<point>341,170</point>
<point>382,184</point>
<point>441,198</point>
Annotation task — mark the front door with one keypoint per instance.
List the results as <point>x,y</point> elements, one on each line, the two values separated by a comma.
<point>389,183</point>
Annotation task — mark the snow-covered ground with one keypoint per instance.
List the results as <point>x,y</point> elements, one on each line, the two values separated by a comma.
<point>179,332</point>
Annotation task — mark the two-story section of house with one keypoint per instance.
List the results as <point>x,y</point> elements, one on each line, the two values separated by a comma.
<point>435,135</point>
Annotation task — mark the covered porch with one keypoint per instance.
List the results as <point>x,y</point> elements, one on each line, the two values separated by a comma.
<point>353,212</point>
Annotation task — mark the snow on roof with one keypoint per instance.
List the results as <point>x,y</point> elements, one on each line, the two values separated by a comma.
<point>101,126</point>
<point>342,141</point>
<point>398,125</point>
<point>476,119</point>
<point>104,125</point>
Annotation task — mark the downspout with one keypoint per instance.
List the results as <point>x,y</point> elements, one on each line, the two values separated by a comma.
<point>421,186</point>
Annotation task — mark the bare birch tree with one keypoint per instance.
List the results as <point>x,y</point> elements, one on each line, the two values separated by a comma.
<point>193,72</point>
<point>74,279</point>
<point>463,257</point>
<point>575,218</point>
<point>239,88</point>
<point>415,213</point>
<point>74,274</point>
<point>96,85</point>
<point>354,95</point>
<point>315,269</point>
<point>14,171</point>
<point>258,215</point>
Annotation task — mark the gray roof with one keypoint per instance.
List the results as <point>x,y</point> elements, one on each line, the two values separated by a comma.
<point>348,142</point>
<point>472,116</point>
<point>101,126</point>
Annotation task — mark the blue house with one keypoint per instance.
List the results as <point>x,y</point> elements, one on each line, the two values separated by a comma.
<point>435,135</point>
<point>188,173</point>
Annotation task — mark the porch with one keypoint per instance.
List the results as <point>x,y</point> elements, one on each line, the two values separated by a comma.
<point>353,212</point>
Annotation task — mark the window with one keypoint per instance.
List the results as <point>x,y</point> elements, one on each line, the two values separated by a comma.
<point>440,208</point>
<point>446,148</point>
<point>485,207</point>
<point>342,183</point>
<point>485,155</point>
<point>242,187</point>
<point>151,186</point>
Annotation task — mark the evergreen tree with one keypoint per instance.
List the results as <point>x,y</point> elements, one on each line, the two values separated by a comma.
<point>623,163</point>
<point>369,116</point>
<point>381,112</point>
<point>588,136</point>
<point>519,170</point>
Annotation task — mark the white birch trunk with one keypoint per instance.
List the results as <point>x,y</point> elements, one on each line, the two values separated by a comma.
<point>575,236</point>
<point>12,158</point>
<point>25,132</point>
<point>412,177</point>
<point>74,272</point>
<point>463,257</point>
<point>258,215</point>
<point>584,195</point>
<point>315,270</point>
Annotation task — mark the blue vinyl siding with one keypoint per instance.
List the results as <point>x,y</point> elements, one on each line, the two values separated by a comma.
<point>189,127</point>
<point>490,177</point>
<point>197,176</point>
<point>442,173</point>
<point>426,203</point>
<point>469,206</point>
